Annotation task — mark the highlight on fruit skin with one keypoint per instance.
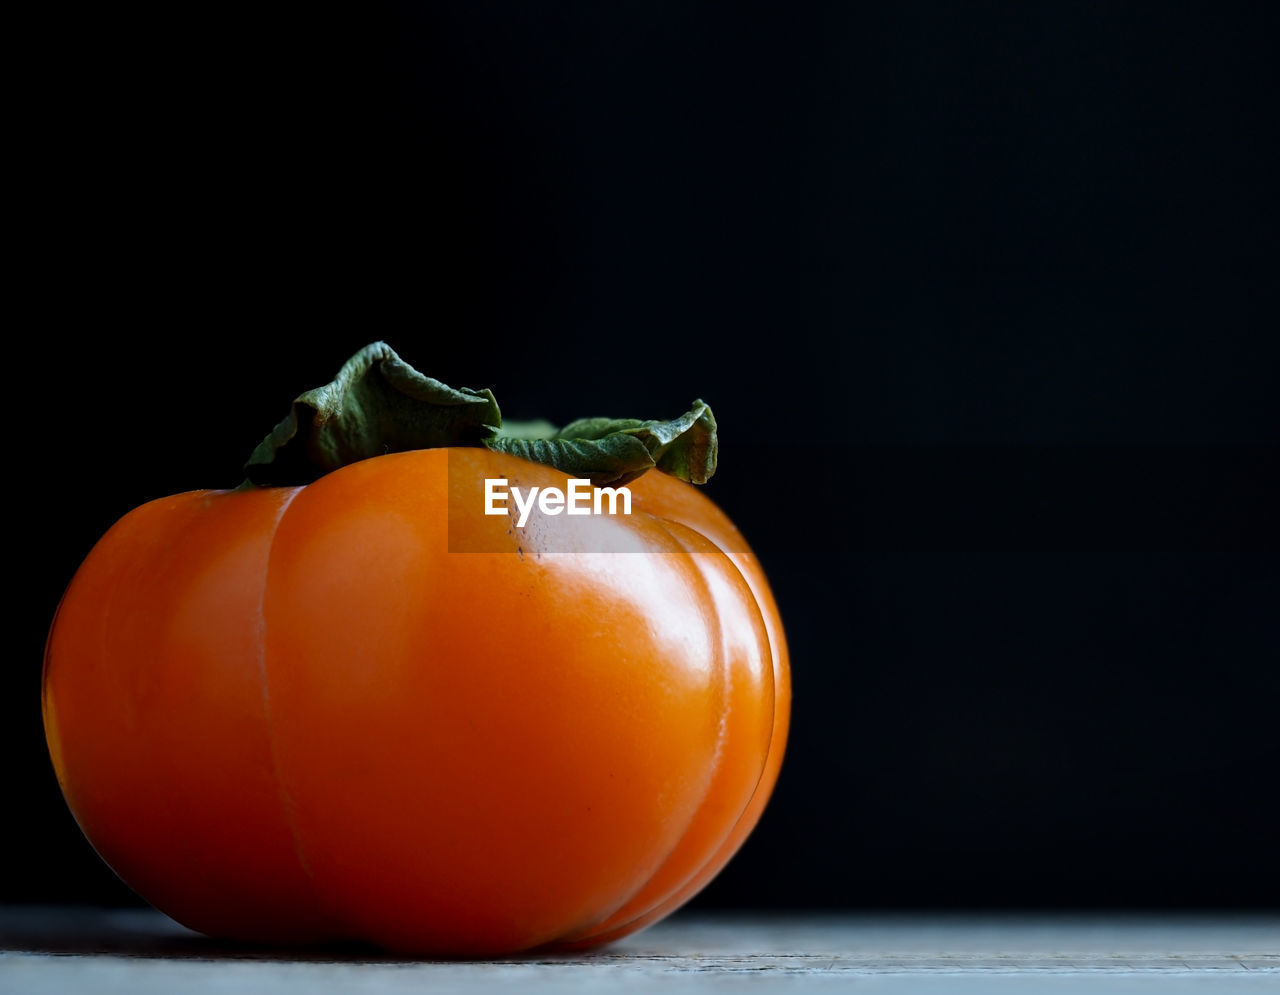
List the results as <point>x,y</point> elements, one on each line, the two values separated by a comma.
<point>297,711</point>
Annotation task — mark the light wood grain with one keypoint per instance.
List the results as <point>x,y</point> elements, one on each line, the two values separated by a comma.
<point>141,952</point>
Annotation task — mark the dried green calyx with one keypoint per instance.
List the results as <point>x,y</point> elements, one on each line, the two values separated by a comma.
<point>379,404</point>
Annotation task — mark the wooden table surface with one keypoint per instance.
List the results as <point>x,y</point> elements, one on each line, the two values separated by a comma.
<point>140,952</point>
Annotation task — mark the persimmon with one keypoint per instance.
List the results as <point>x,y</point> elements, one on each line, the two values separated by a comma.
<point>344,703</point>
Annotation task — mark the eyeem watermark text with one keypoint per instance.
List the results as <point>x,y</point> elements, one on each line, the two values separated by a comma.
<point>580,499</point>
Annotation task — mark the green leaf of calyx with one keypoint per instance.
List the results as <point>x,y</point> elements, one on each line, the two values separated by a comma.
<point>613,451</point>
<point>379,404</point>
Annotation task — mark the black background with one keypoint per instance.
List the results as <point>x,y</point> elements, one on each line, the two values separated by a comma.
<point>863,233</point>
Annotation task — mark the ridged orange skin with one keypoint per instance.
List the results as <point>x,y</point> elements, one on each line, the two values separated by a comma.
<point>292,715</point>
